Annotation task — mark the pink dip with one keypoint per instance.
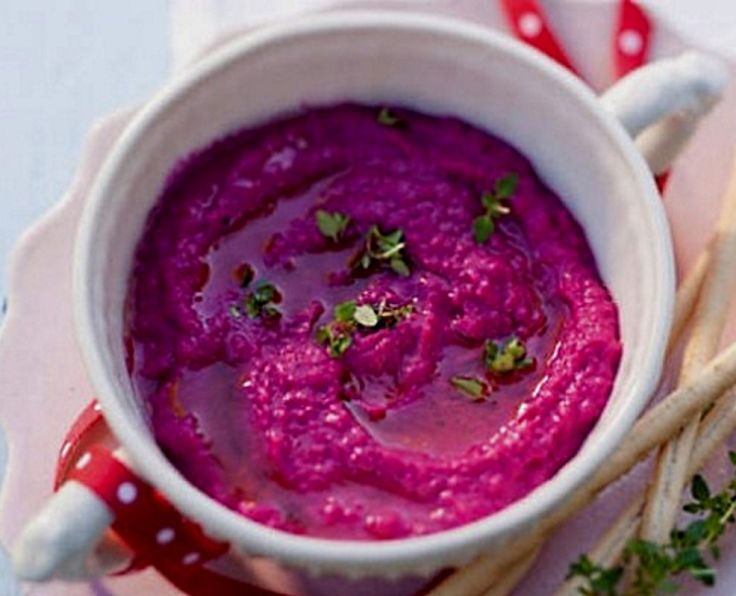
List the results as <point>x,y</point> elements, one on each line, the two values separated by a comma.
<point>375,443</point>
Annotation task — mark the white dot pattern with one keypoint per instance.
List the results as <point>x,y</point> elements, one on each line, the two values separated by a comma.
<point>97,407</point>
<point>84,460</point>
<point>66,448</point>
<point>165,535</point>
<point>190,559</point>
<point>127,493</point>
<point>530,24</point>
<point>630,42</point>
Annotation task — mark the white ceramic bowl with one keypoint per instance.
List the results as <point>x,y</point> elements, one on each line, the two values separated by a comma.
<point>439,66</point>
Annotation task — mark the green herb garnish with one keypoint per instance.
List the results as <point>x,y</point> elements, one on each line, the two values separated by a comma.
<point>470,386</point>
<point>336,338</point>
<point>493,201</point>
<point>388,118</point>
<point>399,266</point>
<point>337,334</point>
<point>345,311</point>
<point>687,552</point>
<point>259,303</point>
<point>384,250</point>
<point>506,356</point>
<point>331,225</point>
<point>598,579</point>
<point>388,316</point>
<point>483,228</point>
<point>349,317</point>
<point>365,316</point>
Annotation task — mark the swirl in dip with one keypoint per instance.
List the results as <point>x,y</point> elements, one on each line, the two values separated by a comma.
<point>366,323</point>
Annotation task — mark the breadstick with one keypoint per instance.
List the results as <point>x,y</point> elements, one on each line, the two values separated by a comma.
<point>687,295</point>
<point>663,499</point>
<point>610,547</point>
<point>513,575</point>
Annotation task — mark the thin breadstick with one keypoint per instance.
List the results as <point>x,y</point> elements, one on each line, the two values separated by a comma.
<point>716,427</point>
<point>670,476</point>
<point>653,428</point>
<point>610,548</point>
<point>687,296</point>
<point>513,575</point>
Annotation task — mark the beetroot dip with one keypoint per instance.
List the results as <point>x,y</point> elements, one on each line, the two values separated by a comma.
<point>473,350</point>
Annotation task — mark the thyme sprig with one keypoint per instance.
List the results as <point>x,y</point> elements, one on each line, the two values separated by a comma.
<point>260,302</point>
<point>654,566</point>
<point>349,317</point>
<point>331,225</point>
<point>388,118</point>
<point>474,388</point>
<point>494,203</point>
<point>506,356</point>
<point>383,249</point>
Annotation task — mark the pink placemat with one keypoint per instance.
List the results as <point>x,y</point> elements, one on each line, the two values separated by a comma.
<point>44,384</point>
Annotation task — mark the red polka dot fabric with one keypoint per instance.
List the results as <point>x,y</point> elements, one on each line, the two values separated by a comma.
<point>529,23</point>
<point>631,37</point>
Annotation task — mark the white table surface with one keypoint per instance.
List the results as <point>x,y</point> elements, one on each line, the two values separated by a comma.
<point>65,63</point>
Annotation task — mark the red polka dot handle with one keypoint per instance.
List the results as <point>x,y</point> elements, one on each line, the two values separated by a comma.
<point>143,519</point>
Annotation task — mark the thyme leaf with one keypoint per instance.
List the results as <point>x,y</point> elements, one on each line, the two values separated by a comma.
<point>383,249</point>
<point>365,316</point>
<point>350,317</point>
<point>506,356</point>
<point>259,302</point>
<point>387,117</point>
<point>483,227</point>
<point>495,207</point>
<point>331,225</point>
<point>345,311</point>
<point>470,386</point>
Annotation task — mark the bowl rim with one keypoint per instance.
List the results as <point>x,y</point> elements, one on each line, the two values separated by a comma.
<point>456,544</point>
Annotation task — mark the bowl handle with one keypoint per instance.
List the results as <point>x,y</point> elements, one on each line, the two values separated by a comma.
<point>65,539</point>
<point>98,489</point>
<point>660,104</point>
